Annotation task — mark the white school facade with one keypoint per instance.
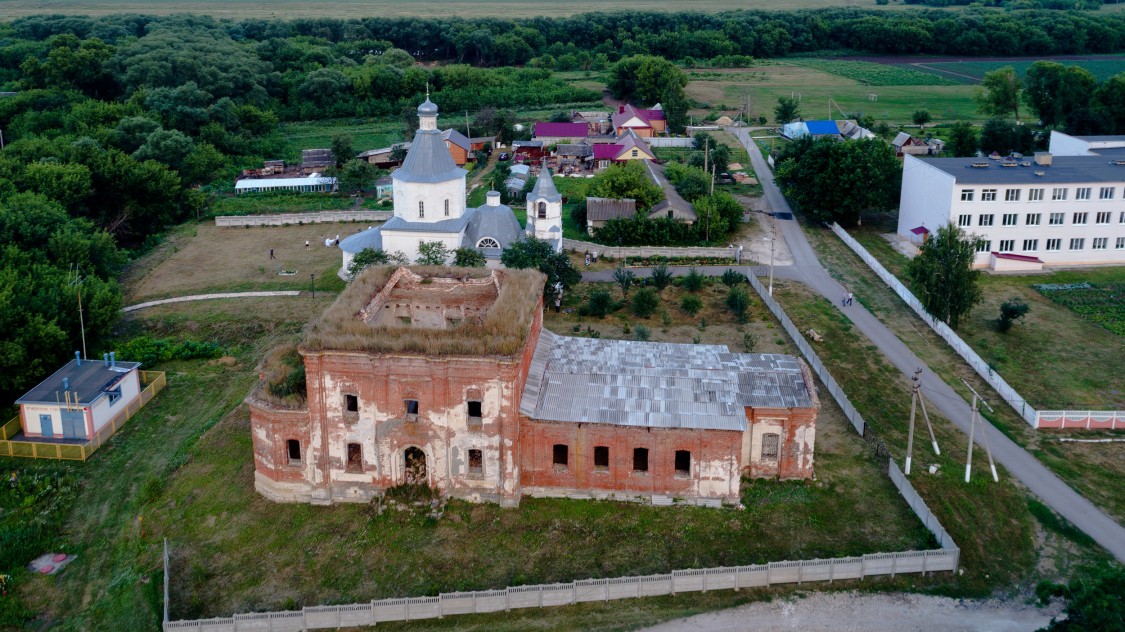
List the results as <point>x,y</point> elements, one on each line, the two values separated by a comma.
<point>1050,210</point>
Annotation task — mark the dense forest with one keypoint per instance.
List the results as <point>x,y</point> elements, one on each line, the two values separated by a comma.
<point>113,127</point>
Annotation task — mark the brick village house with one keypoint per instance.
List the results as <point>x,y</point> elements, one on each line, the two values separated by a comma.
<point>445,376</point>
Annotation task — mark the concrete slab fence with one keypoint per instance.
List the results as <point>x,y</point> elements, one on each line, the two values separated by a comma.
<point>647,251</point>
<point>1079,419</point>
<point>548,595</point>
<point>287,219</point>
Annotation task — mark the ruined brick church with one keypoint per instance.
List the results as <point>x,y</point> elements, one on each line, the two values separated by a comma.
<point>446,377</point>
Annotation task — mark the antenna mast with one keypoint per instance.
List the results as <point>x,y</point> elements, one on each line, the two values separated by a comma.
<point>76,283</point>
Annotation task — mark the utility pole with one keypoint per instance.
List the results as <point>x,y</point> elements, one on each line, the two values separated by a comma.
<point>76,283</point>
<point>706,152</point>
<point>773,240</point>
<point>983,434</point>
<point>915,397</point>
<point>467,134</point>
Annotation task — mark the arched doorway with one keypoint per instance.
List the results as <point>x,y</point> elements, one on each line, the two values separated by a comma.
<point>414,470</point>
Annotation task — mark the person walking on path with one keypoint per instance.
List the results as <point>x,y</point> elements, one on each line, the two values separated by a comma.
<point>850,297</point>
<point>272,255</point>
<point>844,300</point>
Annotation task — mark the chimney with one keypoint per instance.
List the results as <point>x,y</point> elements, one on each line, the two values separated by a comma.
<point>1043,158</point>
<point>493,198</point>
<point>621,109</point>
<point>105,359</point>
<point>78,358</point>
<point>112,359</point>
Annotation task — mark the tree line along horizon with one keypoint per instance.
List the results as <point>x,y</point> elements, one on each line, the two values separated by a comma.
<point>120,125</point>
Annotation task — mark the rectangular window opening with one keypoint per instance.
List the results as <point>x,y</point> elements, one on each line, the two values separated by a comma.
<point>351,403</point>
<point>474,411</point>
<point>640,459</point>
<point>601,457</point>
<point>683,463</point>
<point>560,455</point>
<point>294,451</point>
<point>411,406</point>
<point>770,443</point>
<point>355,457</point>
<point>476,462</point>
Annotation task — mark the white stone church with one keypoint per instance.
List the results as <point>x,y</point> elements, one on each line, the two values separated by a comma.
<point>430,205</point>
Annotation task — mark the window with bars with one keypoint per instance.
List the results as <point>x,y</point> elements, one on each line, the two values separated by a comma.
<point>770,446</point>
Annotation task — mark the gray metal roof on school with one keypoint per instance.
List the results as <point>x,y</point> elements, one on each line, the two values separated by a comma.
<point>656,385</point>
<point>1063,170</point>
<point>428,160</point>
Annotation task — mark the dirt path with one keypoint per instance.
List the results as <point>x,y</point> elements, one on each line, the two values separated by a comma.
<point>842,612</point>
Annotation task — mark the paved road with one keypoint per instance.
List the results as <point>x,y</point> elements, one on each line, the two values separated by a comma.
<point>1033,474</point>
<point>205,297</point>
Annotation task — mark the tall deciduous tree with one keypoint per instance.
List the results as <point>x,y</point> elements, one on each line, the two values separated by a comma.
<point>786,110</point>
<point>1000,93</point>
<point>836,181</point>
<point>1058,93</point>
<point>962,140</point>
<point>942,275</point>
<point>539,255</point>
<point>629,180</point>
<point>646,79</point>
<point>1109,104</point>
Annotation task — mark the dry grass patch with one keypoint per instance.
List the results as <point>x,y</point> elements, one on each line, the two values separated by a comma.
<point>502,330</point>
<point>202,258</point>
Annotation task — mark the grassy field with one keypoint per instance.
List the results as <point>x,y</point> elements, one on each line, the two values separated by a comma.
<point>973,71</point>
<point>365,134</point>
<point>200,258</point>
<point>1094,470</point>
<point>875,74</point>
<point>727,90</point>
<point>267,203</point>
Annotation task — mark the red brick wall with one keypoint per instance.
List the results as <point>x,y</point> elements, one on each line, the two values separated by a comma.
<point>714,459</point>
<point>271,429</point>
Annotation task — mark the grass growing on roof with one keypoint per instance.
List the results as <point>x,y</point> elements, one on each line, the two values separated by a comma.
<point>502,330</point>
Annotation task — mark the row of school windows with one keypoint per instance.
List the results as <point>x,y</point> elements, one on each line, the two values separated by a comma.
<point>1058,194</point>
<point>1036,219</point>
<point>1032,245</point>
<point>410,408</point>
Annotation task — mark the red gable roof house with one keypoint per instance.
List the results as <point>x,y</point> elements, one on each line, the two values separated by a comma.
<point>554,133</point>
<point>629,147</point>
<point>645,123</point>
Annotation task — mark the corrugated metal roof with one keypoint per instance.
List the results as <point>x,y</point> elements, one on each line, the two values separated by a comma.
<point>660,385</point>
<point>601,209</point>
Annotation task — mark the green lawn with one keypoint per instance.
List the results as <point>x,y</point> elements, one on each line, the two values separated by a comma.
<point>727,90</point>
<point>989,521</point>
<point>365,134</point>
<point>1095,470</point>
<point>270,203</point>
